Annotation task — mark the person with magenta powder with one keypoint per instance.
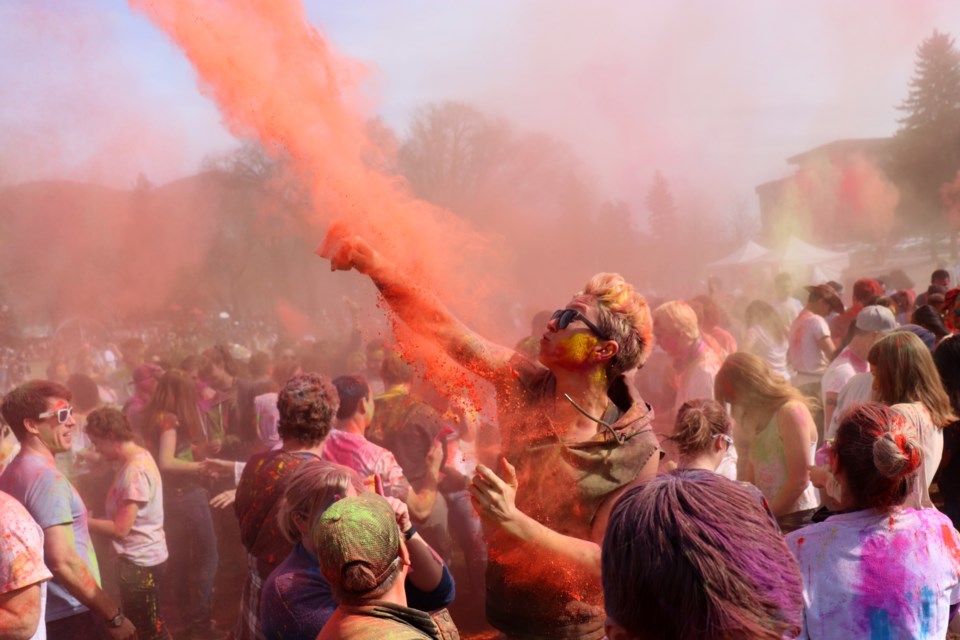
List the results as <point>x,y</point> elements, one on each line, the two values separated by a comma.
<point>572,426</point>
<point>695,556</point>
<point>876,569</point>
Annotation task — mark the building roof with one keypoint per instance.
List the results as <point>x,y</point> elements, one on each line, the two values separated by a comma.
<point>872,146</point>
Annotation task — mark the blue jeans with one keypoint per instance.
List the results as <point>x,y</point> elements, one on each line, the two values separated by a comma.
<point>193,551</point>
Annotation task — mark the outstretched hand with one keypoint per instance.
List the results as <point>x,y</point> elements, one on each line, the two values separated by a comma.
<point>346,250</point>
<point>495,498</point>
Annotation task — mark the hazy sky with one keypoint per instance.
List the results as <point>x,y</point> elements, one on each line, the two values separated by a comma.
<point>715,93</point>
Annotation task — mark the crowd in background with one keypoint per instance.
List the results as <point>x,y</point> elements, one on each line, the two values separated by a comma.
<point>779,467</point>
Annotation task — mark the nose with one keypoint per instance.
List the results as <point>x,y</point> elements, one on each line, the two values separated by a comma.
<point>552,325</point>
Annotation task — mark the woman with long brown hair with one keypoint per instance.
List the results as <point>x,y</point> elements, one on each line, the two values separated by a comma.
<point>905,378</point>
<point>774,432</point>
<point>176,438</point>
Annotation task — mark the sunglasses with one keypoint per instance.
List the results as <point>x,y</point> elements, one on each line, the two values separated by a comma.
<point>62,414</point>
<point>565,316</point>
<point>723,437</point>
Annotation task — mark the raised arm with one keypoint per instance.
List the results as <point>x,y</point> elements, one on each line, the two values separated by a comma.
<point>415,304</point>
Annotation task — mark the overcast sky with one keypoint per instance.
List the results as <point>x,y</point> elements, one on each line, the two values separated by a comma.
<point>715,94</point>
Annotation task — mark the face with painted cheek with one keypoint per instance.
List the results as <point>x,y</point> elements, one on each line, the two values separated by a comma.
<point>55,436</point>
<point>573,346</point>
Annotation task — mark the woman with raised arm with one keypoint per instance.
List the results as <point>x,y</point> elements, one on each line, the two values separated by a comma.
<point>877,568</point>
<point>575,432</point>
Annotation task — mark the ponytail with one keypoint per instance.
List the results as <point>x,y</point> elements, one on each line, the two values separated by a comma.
<point>698,423</point>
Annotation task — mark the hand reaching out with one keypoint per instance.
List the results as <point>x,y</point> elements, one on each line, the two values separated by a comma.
<point>346,251</point>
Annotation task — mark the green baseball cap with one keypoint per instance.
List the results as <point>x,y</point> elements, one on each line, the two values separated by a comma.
<point>358,543</point>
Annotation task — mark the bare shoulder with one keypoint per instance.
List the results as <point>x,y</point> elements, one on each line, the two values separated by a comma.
<point>793,412</point>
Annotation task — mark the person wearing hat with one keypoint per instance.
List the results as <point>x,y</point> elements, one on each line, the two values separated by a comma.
<point>364,558</point>
<point>872,322</point>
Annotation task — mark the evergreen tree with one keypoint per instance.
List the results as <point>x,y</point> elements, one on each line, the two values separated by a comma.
<point>927,145</point>
<point>663,210</point>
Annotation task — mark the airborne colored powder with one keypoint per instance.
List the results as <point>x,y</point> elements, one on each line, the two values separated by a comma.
<point>276,78</point>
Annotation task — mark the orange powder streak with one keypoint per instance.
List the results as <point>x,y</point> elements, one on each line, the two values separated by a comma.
<point>276,77</point>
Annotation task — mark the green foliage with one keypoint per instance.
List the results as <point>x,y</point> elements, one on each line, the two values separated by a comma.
<point>927,145</point>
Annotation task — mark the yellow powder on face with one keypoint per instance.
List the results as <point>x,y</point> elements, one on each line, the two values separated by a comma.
<point>578,346</point>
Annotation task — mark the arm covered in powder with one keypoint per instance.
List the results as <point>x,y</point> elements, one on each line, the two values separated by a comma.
<point>494,498</point>
<point>414,303</point>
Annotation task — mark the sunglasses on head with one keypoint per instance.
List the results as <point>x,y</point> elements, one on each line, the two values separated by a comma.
<point>565,316</point>
<point>62,414</point>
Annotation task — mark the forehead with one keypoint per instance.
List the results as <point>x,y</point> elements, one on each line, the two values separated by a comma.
<point>57,403</point>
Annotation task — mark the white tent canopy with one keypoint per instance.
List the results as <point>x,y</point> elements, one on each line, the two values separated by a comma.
<point>746,254</point>
<point>824,264</point>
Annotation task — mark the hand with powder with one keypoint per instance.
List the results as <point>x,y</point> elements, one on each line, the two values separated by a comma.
<point>494,497</point>
<point>347,251</point>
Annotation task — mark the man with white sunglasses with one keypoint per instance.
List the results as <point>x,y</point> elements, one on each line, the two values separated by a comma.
<point>40,415</point>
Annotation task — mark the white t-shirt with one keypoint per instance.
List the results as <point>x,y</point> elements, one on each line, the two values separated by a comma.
<point>840,371</point>
<point>870,574</point>
<point>139,481</point>
<point>806,357</point>
<point>21,555</point>
<point>764,346</point>
<point>268,418</point>
<point>788,309</point>
<point>921,427</point>
<point>858,389</point>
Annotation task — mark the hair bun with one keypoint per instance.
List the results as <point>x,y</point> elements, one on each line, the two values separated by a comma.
<point>895,455</point>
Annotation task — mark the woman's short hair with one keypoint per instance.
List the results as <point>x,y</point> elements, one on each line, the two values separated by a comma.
<point>699,422</point>
<point>877,457</point>
<point>307,404</point>
<point>110,424</point>
<point>694,555</point>
<point>313,487</point>
<point>622,314</point>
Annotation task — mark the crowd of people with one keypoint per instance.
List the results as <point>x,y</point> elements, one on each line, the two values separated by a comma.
<point>695,468</point>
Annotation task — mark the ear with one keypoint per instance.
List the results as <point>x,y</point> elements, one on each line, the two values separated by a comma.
<point>404,552</point>
<point>607,350</point>
<point>31,426</point>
